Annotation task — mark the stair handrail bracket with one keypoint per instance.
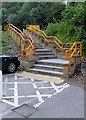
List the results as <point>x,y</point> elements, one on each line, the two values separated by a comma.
<point>22,40</point>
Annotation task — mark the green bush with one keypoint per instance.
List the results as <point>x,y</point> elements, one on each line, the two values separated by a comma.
<point>52,29</point>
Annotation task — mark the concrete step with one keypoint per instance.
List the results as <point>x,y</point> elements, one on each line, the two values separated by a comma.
<point>46,72</point>
<point>40,47</point>
<point>53,62</point>
<point>44,53</point>
<point>41,57</point>
<point>43,50</point>
<point>48,67</point>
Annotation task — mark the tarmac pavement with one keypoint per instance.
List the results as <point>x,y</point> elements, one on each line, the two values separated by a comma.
<point>32,98</point>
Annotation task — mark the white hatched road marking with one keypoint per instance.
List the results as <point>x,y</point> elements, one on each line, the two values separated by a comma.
<point>39,97</point>
<point>58,89</point>
<point>16,94</point>
<point>24,82</point>
<point>34,84</point>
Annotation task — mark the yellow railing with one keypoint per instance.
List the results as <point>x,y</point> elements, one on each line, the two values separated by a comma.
<point>25,41</point>
<point>74,54</point>
<point>30,27</point>
<point>50,39</point>
<point>73,50</point>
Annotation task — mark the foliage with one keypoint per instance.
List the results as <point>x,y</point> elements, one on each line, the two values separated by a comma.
<point>40,13</point>
<point>72,27</point>
<point>52,29</point>
<point>6,41</point>
<point>67,22</point>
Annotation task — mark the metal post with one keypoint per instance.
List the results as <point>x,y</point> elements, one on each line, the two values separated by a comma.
<point>1,90</point>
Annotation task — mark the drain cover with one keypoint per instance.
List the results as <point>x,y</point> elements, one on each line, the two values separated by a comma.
<point>25,110</point>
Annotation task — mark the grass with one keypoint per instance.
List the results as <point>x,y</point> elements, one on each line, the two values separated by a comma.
<point>6,41</point>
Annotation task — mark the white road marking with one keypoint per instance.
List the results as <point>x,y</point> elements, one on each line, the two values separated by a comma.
<point>9,97</point>
<point>23,82</point>
<point>11,88</point>
<point>36,105</point>
<point>55,87</point>
<point>19,83</point>
<point>39,96</point>
<point>15,92</point>
<point>45,87</point>
<point>31,96</point>
<point>58,89</point>
<point>34,84</point>
<point>15,77</point>
<point>62,85</point>
<point>10,103</point>
<point>5,87</point>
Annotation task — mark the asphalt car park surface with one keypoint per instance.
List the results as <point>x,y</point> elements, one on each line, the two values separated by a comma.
<point>22,93</point>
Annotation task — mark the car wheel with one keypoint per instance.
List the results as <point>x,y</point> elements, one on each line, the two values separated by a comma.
<point>12,67</point>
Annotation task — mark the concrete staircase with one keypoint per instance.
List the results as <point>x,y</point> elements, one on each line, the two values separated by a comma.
<point>47,62</point>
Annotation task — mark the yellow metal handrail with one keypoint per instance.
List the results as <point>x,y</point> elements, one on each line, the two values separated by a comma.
<point>54,39</point>
<point>74,50</point>
<point>22,40</point>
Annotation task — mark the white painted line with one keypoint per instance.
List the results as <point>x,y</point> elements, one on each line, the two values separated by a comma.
<point>34,85</point>
<point>62,85</point>
<point>10,103</point>
<point>54,86</point>
<point>15,94</point>
<point>22,82</point>
<point>18,82</point>
<point>5,87</point>
<point>60,90</point>
<point>49,95</point>
<point>11,88</point>
<point>39,96</point>
<point>32,80</point>
<point>9,97</point>
<point>44,87</point>
<point>15,77</point>
<point>36,105</point>
<point>31,96</point>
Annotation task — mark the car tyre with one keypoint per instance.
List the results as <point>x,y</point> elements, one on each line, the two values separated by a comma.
<point>12,67</point>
